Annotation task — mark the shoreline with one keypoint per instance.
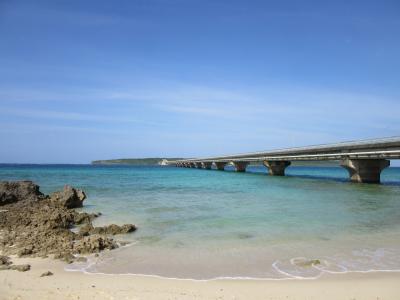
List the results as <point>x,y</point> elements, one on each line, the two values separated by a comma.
<point>78,285</point>
<point>234,278</point>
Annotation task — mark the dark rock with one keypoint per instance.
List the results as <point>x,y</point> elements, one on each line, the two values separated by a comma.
<point>25,251</point>
<point>109,229</point>
<point>69,197</point>
<point>5,260</point>
<point>48,273</point>
<point>15,191</point>
<point>21,268</point>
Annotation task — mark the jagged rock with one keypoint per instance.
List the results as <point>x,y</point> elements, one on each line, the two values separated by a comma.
<point>109,229</point>
<point>30,227</point>
<point>5,260</point>
<point>65,256</point>
<point>25,251</point>
<point>21,268</point>
<point>48,273</point>
<point>14,191</point>
<point>85,229</point>
<point>84,218</point>
<point>94,243</point>
<point>69,197</point>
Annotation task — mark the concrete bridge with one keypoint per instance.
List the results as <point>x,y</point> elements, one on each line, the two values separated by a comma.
<point>364,160</point>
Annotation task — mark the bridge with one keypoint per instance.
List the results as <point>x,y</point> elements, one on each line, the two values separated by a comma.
<point>364,160</point>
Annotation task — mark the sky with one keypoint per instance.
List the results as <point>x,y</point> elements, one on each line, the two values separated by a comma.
<point>87,80</point>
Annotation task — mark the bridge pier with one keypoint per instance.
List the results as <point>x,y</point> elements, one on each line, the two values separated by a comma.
<point>365,170</point>
<point>240,166</point>
<point>276,167</point>
<point>206,165</point>
<point>220,165</point>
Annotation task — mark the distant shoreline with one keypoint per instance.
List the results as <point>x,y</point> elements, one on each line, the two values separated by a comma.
<point>132,161</point>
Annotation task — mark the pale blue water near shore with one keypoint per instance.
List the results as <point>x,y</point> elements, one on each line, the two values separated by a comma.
<point>204,224</point>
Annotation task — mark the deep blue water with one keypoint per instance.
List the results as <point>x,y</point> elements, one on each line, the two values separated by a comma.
<point>206,223</point>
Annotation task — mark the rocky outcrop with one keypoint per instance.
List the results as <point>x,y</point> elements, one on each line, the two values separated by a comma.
<point>69,197</point>
<point>40,225</point>
<point>6,264</point>
<point>15,191</point>
<point>94,244</point>
<point>110,229</point>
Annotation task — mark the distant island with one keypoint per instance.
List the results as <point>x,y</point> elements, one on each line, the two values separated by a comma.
<point>151,161</point>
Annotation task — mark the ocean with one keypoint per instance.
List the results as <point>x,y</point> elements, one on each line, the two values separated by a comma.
<point>205,224</point>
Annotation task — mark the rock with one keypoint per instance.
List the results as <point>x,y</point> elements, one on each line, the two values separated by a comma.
<point>84,218</point>
<point>41,225</point>
<point>48,273</point>
<point>5,260</point>
<point>21,268</point>
<point>65,256</point>
<point>109,229</point>
<point>81,259</point>
<point>85,230</point>
<point>69,197</point>
<point>123,243</point>
<point>15,191</point>
<point>94,243</point>
<point>25,251</point>
<point>307,262</point>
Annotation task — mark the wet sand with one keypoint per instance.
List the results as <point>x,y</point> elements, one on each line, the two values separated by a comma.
<point>77,285</point>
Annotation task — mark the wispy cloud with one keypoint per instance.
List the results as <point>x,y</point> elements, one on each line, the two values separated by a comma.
<point>71,116</point>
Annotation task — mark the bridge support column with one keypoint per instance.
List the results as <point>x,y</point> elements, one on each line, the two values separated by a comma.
<point>198,165</point>
<point>206,165</point>
<point>220,166</point>
<point>276,167</point>
<point>365,170</point>
<point>240,166</point>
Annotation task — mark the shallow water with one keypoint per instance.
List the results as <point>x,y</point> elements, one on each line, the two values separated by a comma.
<point>205,224</point>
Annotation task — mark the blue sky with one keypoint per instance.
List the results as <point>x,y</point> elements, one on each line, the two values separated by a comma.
<point>85,80</point>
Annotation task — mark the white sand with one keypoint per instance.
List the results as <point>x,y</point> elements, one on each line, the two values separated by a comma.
<point>76,285</point>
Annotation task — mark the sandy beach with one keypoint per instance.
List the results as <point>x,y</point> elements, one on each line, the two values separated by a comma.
<point>77,285</point>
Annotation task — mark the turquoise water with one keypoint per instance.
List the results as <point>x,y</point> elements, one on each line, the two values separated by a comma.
<point>205,224</point>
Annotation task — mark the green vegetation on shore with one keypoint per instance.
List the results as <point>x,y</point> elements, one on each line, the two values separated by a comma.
<point>132,161</point>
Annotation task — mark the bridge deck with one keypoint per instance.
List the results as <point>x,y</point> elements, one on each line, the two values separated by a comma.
<point>386,148</point>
